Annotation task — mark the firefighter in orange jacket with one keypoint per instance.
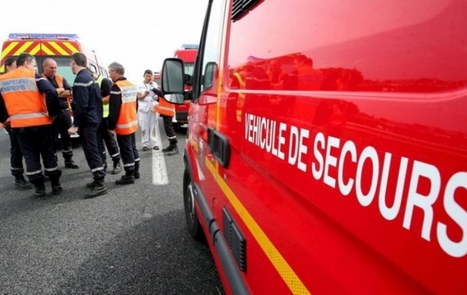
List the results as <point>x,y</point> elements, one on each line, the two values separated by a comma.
<point>167,111</point>
<point>23,107</point>
<point>16,156</point>
<point>123,120</point>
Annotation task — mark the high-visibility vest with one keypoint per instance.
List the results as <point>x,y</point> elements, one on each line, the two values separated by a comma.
<point>165,108</point>
<point>105,113</point>
<point>24,103</point>
<point>127,122</point>
<point>59,80</point>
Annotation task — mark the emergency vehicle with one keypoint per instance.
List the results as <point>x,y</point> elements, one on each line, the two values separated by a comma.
<point>57,46</point>
<point>187,53</point>
<point>327,145</point>
<point>157,78</point>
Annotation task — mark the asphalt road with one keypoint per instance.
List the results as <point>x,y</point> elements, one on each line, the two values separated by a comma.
<point>131,241</point>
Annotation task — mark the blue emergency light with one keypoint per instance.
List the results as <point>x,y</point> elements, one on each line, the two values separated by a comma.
<point>21,36</point>
<point>190,46</point>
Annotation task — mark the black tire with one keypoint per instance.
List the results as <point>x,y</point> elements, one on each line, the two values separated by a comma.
<point>191,217</point>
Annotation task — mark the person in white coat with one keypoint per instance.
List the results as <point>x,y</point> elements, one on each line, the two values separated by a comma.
<point>147,116</point>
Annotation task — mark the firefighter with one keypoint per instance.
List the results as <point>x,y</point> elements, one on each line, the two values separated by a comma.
<point>16,156</point>
<point>31,122</point>
<point>123,120</point>
<point>62,122</point>
<point>87,118</point>
<point>167,111</point>
<point>109,139</point>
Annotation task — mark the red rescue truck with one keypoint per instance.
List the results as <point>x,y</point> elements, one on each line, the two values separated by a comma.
<point>327,145</point>
<point>157,78</point>
<point>187,53</point>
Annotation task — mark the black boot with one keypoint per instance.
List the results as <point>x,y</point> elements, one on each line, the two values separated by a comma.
<point>136,174</point>
<point>170,147</point>
<point>174,151</point>
<point>117,168</point>
<point>56,186</point>
<point>21,183</point>
<point>71,164</point>
<point>91,184</point>
<point>126,179</point>
<point>98,189</point>
<point>39,188</point>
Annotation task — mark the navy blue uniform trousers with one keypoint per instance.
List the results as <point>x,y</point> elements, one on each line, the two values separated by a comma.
<point>91,142</point>
<point>37,142</point>
<point>129,153</point>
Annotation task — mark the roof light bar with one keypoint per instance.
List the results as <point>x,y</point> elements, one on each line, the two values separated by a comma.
<point>20,36</point>
<point>190,46</point>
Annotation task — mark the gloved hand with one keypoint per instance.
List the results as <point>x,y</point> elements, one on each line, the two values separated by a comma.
<point>157,92</point>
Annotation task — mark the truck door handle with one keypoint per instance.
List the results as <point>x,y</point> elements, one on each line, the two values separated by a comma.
<point>219,145</point>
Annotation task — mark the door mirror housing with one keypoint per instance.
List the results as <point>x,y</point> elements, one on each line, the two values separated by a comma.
<point>173,76</point>
<point>173,80</point>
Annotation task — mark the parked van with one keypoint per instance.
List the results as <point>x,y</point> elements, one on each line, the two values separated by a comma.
<point>327,145</point>
<point>57,46</point>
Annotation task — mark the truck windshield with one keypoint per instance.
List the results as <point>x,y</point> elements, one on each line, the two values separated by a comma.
<point>189,68</point>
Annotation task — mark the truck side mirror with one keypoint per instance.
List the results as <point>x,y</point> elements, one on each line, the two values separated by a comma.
<point>173,76</point>
<point>208,76</point>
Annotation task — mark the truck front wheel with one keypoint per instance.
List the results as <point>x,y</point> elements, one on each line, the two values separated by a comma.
<point>192,221</point>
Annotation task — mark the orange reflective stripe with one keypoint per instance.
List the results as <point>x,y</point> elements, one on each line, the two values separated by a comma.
<point>128,125</point>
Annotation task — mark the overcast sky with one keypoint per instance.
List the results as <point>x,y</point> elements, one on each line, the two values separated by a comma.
<point>138,34</point>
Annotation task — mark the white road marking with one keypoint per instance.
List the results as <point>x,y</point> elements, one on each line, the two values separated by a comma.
<point>159,169</point>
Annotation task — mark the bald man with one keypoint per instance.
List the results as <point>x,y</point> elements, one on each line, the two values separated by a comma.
<point>62,122</point>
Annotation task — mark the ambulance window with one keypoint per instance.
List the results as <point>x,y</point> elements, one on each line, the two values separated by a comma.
<point>104,73</point>
<point>93,68</point>
<point>212,45</point>
<point>64,69</point>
